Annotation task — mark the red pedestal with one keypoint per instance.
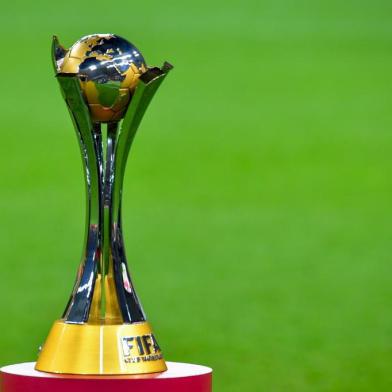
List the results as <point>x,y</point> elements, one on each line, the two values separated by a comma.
<point>180,377</point>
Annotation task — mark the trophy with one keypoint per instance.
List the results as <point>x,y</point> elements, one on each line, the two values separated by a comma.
<point>107,87</point>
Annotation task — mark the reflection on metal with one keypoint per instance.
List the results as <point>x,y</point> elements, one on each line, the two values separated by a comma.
<point>108,68</point>
<point>103,293</point>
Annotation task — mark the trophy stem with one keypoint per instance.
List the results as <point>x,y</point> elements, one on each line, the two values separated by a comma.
<point>105,156</point>
<point>108,147</point>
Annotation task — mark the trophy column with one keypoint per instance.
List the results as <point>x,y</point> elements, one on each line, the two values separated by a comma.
<point>104,329</point>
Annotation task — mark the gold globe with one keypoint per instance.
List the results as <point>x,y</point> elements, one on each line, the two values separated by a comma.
<point>108,68</point>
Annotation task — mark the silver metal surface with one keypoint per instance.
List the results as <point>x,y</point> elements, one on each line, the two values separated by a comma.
<point>105,153</point>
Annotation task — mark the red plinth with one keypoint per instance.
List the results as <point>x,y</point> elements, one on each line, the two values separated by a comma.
<point>180,377</point>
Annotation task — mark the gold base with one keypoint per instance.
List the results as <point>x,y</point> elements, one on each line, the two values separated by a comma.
<point>101,349</point>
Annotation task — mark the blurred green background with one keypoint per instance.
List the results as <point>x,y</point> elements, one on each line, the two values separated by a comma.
<point>257,209</point>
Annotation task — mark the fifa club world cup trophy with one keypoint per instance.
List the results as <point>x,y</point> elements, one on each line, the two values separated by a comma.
<point>107,87</point>
<point>103,340</point>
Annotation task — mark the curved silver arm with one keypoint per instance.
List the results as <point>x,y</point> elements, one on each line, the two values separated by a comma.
<point>149,82</point>
<point>77,310</point>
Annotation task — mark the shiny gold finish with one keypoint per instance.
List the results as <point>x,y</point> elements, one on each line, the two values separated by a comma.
<point>101,111</point>
<point>112,310</point>
<point>70,64</point>
<point>101,349</point>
